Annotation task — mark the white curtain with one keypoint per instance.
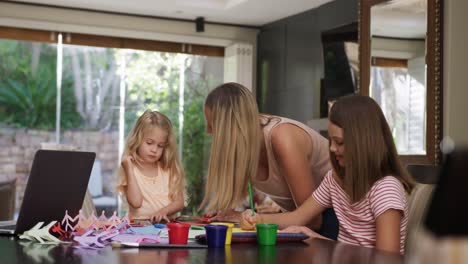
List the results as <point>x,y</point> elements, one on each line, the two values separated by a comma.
<point>238,64</point>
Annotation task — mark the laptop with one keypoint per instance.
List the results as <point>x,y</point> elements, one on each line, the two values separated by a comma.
<point>57,182</point>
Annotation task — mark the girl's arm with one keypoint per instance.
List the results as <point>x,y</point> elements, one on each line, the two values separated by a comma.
<point>388,231</point>
<point>304,230</point>
<point>292,146</point>
<point>132,191</point>
<point>170,209</point>
<point>299,217</point>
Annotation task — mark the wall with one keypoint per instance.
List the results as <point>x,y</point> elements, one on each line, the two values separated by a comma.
<point>290,59</point>
<point>455,74</point>
<point>18,147</point>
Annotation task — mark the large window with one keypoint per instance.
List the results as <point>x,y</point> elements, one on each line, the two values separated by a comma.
<point>103,91</point>
<point>398,86</point>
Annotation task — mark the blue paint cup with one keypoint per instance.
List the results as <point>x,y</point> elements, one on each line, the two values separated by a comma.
<point>216,235</point>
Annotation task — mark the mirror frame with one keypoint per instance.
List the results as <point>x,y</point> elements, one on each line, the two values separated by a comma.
<point>434,75</point>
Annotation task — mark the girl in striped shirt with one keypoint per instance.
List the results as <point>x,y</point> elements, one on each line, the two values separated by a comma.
<point>367,186</point>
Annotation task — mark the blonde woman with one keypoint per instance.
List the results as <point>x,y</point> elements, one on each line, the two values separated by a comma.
<point>150,175</point>
<point>281,157</point>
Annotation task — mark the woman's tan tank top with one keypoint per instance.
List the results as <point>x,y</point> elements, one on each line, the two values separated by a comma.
<point>275,185</point>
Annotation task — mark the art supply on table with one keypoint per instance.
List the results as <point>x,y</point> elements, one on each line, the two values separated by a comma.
<point>193,220</point>
<point>266,234</point>
<point>195,231</point>
<point>216,235</point>
<point>138,238</point>
<point>178,233</point>
<point>251,237</point>
<point>252,205</point>
<point>229,231</point>
<point>160,226</point>
<point>145,230</point>
<point>189,245</point>
<point>266,254</point>
<point>91,240</point>
<point>40,233</point>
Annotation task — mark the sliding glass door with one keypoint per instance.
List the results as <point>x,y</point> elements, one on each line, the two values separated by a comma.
<point>103,91</point>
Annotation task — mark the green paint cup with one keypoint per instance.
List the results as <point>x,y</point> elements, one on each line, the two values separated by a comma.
<point>267,255</point>
<point>266,234</point>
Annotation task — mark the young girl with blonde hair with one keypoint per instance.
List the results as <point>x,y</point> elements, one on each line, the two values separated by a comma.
<point>367,187</point>
<point>150,175</point>
<point>281,157</point>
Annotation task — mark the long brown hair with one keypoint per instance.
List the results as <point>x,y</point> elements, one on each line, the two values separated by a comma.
<point>370,153</point>
<point>169,159</point>
<point>235,147</point>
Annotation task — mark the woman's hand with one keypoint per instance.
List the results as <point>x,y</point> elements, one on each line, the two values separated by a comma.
<point>303,230</point>
<point>268,206</point>
<point>228,216</point>
<point>248,220</point>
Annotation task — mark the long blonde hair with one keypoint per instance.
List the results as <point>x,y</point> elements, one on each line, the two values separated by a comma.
<point>369,153</point>
<point>235,147</point>
<point>169,160</point>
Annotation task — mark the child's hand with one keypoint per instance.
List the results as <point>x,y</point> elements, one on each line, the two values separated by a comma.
<point>248,220</point>
<point>160,216</point>
<point>127,162</point>
<point>303,230</point>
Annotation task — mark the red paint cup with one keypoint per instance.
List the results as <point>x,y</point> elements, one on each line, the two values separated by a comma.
<point>178,233</point>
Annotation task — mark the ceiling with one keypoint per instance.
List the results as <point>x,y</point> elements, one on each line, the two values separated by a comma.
<point>239,12</point>
<point>405,19</point>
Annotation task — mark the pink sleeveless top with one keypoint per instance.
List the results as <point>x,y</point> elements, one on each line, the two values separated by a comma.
<point>275,186</point>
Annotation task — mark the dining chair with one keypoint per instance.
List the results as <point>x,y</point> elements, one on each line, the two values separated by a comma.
<point>7,199</point>
<point>426,177</point>
<point>426,174</point>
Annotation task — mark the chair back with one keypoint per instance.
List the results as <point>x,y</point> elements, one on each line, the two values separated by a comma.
<point>426,177</point>
<point>417,210</point>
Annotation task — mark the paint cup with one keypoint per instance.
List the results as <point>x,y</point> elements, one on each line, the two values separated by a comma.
<point>229,231</point>
<point>216,235</point>
<point>267,255</point>
<point>178,233</point>
<point>266,234</point>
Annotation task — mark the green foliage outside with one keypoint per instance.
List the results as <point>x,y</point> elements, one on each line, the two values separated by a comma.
<point>91,80</point>
<point>153,83</point>
<point>27,96</point>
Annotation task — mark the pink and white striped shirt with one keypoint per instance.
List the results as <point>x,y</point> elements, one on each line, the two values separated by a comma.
<point>357,221</point>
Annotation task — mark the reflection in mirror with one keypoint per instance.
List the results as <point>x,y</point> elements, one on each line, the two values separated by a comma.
<point>398,33</point>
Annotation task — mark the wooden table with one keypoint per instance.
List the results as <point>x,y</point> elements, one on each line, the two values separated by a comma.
<point>314,251</point>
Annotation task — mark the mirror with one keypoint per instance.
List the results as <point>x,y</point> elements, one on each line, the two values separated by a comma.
<point>400,68</point>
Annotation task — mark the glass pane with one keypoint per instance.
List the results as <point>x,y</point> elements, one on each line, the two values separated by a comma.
<point>92,81</point>
<point>164,81</point>
<point>27,109</point>
<point>401,94</point>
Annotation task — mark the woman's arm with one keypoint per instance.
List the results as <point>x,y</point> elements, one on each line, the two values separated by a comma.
<point>292,148</point>
<point>310,209</point>
<point>388,231</point>
<point>132,191</point>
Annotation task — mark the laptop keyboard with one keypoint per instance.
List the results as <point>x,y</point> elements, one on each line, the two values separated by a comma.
<point>8,227</point>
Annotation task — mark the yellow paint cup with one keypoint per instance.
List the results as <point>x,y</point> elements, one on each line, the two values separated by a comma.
<point>229,231</point>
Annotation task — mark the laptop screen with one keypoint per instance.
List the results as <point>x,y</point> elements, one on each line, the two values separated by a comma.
<point>57,182</point>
